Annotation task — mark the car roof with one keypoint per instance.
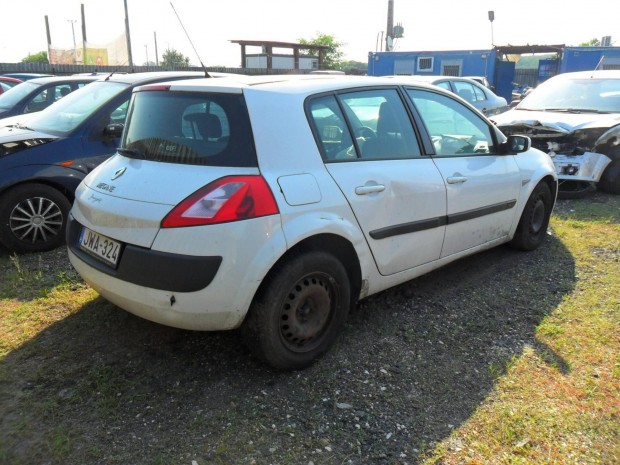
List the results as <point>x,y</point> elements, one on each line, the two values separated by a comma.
<point>435,78</point>
<point>10,79</point>
<point>302,84</point>
<point>59,79</point>
<point>26,76</point>
<point>598,74</point>
<point>149,76</point>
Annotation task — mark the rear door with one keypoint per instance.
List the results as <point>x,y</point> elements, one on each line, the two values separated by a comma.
<point>482,185</point>
<point>373,154</point>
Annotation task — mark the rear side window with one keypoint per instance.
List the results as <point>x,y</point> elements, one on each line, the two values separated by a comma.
<point>190,128</point>
<point>363,125</point>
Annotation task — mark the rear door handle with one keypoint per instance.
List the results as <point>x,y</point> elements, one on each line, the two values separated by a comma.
<point>372,189</point>
<point>456,179</point>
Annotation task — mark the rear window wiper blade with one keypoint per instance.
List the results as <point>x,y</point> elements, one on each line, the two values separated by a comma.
<point>133,153</point>
<point>20,126</point>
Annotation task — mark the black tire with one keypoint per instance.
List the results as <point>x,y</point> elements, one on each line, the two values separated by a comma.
<point>299,311</point>
<point>33,218</point>
<point>534,220</point>
<point>610,180</point>
<point>568,190</point>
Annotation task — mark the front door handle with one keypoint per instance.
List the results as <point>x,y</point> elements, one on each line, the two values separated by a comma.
<point>372,189</point>
<point>456,179</point>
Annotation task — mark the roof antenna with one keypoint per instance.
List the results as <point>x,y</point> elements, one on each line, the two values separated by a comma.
<point>191,43</point>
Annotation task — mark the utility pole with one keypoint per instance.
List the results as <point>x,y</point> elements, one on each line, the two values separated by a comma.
<point>389,35</point>
<point>156,54</point>
<point>73,21</point>
<point>491,18</point>
<point>127,36</point>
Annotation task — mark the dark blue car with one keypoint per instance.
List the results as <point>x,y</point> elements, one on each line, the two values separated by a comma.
<point>44,159</point>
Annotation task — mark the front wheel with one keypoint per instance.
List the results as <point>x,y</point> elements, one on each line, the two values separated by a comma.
<point>534,220</point>
<point>299,311</point>
<point>33,218</point>
<point>610,180</point>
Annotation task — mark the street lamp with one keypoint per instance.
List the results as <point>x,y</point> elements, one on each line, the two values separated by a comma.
<point>73,21</point>
<point>146,50</point>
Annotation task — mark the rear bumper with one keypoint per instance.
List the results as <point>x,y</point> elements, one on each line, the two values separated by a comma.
<point>149,268</point>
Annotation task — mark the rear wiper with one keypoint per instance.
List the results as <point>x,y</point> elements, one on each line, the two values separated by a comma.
<point>131,153</point>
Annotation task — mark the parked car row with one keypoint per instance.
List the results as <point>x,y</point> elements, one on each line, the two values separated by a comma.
<point>44,157</point>
<point>174,192</point>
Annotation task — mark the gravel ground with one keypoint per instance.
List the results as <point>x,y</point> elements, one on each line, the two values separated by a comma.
<point>412,364</point>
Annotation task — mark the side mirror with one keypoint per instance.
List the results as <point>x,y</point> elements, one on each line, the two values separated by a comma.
<point>515,144</point>
<point>113,130</point>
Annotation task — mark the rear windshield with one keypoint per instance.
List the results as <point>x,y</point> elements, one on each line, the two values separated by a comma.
<point>189,128</point>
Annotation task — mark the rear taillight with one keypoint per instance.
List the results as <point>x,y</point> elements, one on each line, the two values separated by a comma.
<point>232,198</point>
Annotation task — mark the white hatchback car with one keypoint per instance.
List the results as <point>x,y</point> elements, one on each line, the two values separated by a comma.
<point>275,203</point>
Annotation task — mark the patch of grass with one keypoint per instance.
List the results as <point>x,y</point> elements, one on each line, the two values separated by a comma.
<point>22,320</point>
<point>559,402</point>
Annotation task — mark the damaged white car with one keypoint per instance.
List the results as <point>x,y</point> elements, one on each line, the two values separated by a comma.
<point>575,118</point>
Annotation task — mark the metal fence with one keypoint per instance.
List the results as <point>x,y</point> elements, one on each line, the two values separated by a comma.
<point>64,70</point>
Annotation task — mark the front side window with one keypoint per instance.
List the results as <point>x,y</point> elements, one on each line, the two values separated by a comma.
<point>189,128</point>
<point>455,129</point>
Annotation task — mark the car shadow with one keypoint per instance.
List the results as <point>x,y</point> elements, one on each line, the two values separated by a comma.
<point>413,363</point>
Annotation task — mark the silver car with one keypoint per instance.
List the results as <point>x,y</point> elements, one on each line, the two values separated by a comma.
<point>474,93</point>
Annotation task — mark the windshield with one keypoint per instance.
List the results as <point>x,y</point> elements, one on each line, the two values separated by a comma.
<point>12,96</point>
<point>68,113</point>
<point>600,95</point>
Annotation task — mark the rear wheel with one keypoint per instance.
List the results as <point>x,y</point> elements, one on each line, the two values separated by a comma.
<point>299,311</point>
<point>33,218</point>
<point>534,220</point>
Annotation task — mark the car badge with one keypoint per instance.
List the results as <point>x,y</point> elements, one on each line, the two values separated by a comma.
<point>119,173</point>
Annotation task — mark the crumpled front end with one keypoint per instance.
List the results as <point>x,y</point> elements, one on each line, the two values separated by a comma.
<point>578,155</point>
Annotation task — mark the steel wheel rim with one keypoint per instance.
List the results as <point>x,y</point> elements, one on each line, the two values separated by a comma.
<point>538,216</point>
<point>36,219</point>
<point>307,312</point>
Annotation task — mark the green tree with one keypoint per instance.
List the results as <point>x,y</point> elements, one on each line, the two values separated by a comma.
<point>175,59</point>
<point>354,67</point>
<point>591,43</point>
<point>333,55</point>
<point>40,57</point>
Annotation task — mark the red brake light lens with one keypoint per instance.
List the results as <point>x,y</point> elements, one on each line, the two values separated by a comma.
<point>232,198</point>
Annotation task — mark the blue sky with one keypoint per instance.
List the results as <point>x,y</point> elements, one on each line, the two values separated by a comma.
<point>358,24</point>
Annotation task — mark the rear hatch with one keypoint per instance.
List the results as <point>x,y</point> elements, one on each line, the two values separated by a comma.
<point>175,143</point>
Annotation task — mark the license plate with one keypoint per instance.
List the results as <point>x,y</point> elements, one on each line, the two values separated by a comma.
<point>102,247</point>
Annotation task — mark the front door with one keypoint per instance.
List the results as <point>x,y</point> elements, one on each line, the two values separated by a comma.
<point>482,186</point>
